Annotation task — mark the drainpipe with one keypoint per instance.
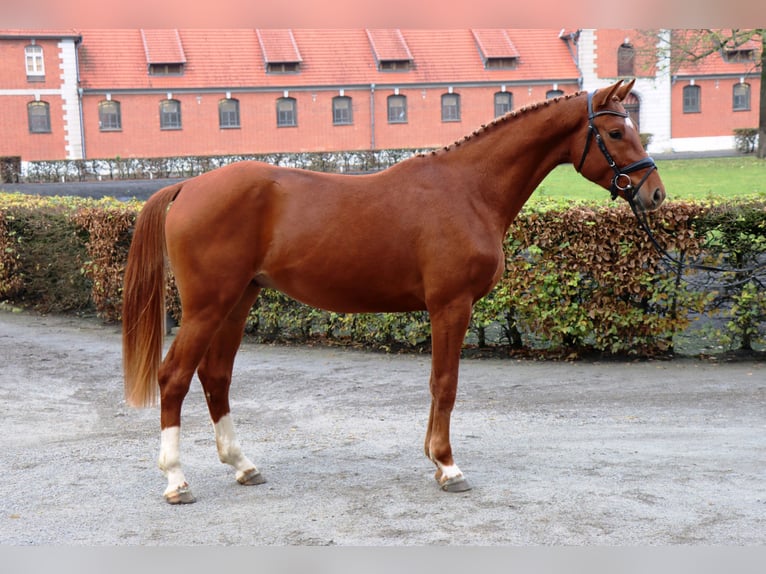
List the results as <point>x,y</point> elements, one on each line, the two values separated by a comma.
<point>82,124</point>
<point>573,37</point>
<point>372,116</point>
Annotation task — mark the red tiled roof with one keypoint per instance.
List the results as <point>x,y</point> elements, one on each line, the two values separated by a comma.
<point>163,47</point>
<point>750,44</point>
<point>114,59</point>
<point>39,33</point>
<point>389,45</point>
<point>495,43</point>
<point>278,46</point>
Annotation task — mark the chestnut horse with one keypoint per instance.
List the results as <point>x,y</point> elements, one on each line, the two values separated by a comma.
<point>424,234</point>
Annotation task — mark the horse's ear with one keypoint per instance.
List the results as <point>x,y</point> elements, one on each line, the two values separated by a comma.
<point>624,90</point>
<point>604,96</point>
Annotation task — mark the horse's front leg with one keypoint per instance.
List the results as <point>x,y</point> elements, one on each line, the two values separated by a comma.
<point>448,328</point>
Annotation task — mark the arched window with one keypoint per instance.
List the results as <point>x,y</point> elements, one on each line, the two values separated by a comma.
<point>626,60</point>
<point>287,112</point>
<point>342,111</point>
<point>397,109</point>
<point>109,116</point>
<point>692,98</point>
<point>503,103</point>
<point>550,94</point>
<point>450,107</point>
<point>170,115</point>
<point>39,116</point>
<point>228,113</point>
<point>741,97</point>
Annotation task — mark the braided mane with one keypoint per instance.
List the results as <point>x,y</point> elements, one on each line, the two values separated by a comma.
<point>501,120</point>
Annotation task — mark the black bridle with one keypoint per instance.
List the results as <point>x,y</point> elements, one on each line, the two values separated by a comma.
<point>621,181</point>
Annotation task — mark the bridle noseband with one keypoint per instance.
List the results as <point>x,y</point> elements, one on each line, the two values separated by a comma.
<point>621,181</point>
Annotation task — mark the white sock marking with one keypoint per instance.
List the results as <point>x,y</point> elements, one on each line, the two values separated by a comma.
<point>229,450</point>
<point>449,471</point>
<point>170,459</point>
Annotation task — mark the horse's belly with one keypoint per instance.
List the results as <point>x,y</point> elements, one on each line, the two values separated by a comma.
<point>346,295</point>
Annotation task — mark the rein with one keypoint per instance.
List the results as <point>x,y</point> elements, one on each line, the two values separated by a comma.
<point>643,224</point>
<point>629,192</point>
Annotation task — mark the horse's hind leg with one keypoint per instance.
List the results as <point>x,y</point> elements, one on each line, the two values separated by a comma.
<point>175,376</point>
<point>215,372</point>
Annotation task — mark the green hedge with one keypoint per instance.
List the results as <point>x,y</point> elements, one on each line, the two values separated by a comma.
<point>189,166</point>
<point>579,278</point>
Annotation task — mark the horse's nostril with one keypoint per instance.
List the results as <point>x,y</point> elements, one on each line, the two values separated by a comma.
<point>658,196</point>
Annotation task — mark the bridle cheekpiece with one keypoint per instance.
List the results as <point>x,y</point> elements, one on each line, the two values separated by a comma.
<point>621,181</point>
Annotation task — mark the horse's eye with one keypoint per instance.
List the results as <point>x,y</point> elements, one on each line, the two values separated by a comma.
<point>615,134</point>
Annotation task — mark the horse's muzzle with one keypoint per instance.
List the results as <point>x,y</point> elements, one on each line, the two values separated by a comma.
<point>652,200</point>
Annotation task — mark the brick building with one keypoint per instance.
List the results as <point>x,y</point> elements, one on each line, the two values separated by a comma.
<point>39,100</point>
<point>690,107</point>
<point>71,94</point>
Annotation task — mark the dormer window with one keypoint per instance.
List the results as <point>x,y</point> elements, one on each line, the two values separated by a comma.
<point>496,49</point>
<point>739,48</point>
<point>739,55</point>
<point>390,50</point>
<point>394,65</point>
<point>164,52</point>
<point>283,67</point>
<point>501,63</point>
<point>166,69</point>
<point>280,51</point>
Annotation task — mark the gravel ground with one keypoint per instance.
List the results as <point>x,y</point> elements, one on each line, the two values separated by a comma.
<point>583,453</point>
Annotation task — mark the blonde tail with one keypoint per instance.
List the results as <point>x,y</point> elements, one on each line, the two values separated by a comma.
<point>143,305</point>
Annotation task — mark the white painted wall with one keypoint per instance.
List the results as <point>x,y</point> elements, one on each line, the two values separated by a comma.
<point>71,98</point>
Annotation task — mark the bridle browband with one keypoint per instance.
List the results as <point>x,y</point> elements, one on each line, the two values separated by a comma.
<point>621,181</point>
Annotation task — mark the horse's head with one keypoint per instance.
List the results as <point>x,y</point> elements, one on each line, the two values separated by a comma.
<point>608,150</point>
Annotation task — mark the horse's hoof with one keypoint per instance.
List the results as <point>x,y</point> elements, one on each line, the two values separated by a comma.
<point>251,478</point>
<point>457,484</point>
<point>182,495</point>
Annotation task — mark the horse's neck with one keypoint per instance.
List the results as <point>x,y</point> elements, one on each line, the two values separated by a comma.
<point>512,156</point>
